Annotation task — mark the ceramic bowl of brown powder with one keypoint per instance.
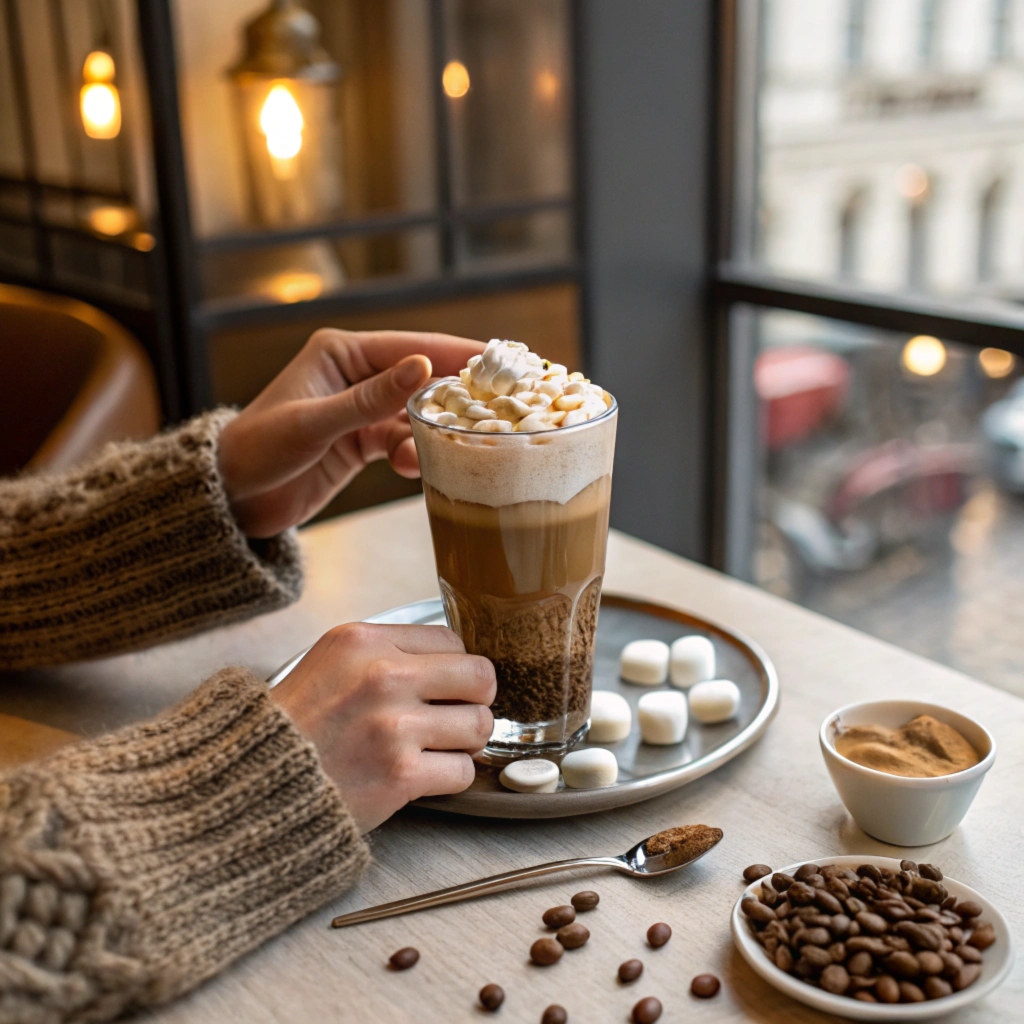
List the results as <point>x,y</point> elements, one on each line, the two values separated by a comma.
<point>907,771</point>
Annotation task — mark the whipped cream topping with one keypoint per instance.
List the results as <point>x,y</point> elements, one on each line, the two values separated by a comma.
<point>508,388</point>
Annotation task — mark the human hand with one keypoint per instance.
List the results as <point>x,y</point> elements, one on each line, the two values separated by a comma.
<point>362,696</point>
<point>338,405</point>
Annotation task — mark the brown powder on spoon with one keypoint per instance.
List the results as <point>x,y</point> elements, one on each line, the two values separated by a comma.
<point>922,749</point>
<point>683,843</point>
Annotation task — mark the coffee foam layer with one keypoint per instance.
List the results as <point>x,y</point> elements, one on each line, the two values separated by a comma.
<point>504,469</point>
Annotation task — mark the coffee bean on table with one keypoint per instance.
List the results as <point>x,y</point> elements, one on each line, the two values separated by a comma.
<point>756,871</point>
<point>657,935</point>
<point>572,936</point>
<point>704,986</point>
<point>491,997</point>
<point>545,952</point>
<point>558,917</point>
<point>586,900</point>
<point>554,1014</point>
<point>647,1011</point>
<point>630,970</point>
<point>403,959</point>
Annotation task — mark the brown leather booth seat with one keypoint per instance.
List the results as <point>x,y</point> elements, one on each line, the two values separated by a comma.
<point>71,379</point>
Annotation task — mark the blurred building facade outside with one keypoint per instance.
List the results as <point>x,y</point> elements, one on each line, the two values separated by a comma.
<point>891,157</point>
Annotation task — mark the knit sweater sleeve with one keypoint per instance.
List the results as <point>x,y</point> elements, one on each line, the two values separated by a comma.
<point>134,867</point>
<point>135,548</point>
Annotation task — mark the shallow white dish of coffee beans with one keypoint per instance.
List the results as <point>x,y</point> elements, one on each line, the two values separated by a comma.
<point>645,771</point>
<point>995,965</point>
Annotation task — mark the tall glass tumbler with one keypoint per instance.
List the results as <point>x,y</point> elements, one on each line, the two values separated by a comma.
<point>520,526</point>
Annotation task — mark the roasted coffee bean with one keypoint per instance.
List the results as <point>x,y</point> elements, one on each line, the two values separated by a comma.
<point>956,935</point>
<point>909,866</point>
<point>756,871</point>
<point>781,882</point>
<point>658,934</point>
<point>804,871</point>
<point>951,964</point>
<point>931,963</point>
<point>866,887</point>
<point>873,924</point>
<point>810,915</point>
<point>902,965</point>
<point>923,936</point>
<point>586,900</point>
<point>868,944</point>
<point>855,906</point>
<point>769,897</point>
<point>403,959</point>
<point>800,893</point>
<point>558,917</point>
<point>983,936</point>
<point>824,899</point>
<point>838,887</point>
<point>837,951</point>
<point>756,911</point>
<point>968,976</point>
<point>865,997</point>
<point>545,952</point>
<point>783,910</point>
<point>572,936</point>
<point>860,963</point>
<point>929,871</point>
<point>857,983</point>
<point>926,915</point>
<point>950,920</point>
<point>840,926</point>
<point>805,969</point>
<point>784,959</point>
<point>555,1014</point>
<point>704,986</point>
<point>816,956</point>
<point>835,979</point>
<point>949,903</point>
<point>968,909</point>
<point>870,871</point>
<point>647,1011</point>
<point>630,970</point>
<point>936,988</point>
<point>897,944</point>
<point>887,989</point>
<point>813,936</point>
<point>910,993</point>
<point>491,997</point>
<point>968,954</point>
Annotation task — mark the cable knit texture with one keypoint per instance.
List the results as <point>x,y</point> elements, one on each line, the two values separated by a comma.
<point>137,547</point>
<point>134,867</point>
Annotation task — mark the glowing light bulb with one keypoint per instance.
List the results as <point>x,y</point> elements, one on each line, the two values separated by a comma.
<point>924,355</point>
<point>101,110</point>
<point>547,85</point>
<point>455,79</point>
<point>281,122</point>
<point>996,362</point>
<point>98,67</point>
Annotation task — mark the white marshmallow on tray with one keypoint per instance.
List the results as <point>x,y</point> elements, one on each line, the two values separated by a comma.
<point>692,660</point>
<point>533,776</point>
<point>610,717</point>
<point>594,768</point>
<point>644,662</point>
<point>714,701</point>
<point>663,717</point>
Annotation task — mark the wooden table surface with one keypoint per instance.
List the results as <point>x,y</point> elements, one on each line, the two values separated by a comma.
<point>775,804</point>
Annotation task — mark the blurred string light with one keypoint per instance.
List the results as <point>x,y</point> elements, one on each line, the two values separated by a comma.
<point>111,220</point>
<point>455,79</point>
<point>547,85</point>
<point>996,362</point>
<point>912,181</point>
<point>99,100</point>
<point>924,355</point>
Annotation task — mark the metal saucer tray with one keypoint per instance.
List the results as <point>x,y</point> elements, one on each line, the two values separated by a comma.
<point>645,771</point>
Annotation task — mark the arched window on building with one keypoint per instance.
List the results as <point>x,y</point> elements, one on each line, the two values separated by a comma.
<point>1002,29</point>
<point>851,231</point>
<point>856,29</point>
<point>929,31</point>
<point>988,231</point>
<point>917,242</point>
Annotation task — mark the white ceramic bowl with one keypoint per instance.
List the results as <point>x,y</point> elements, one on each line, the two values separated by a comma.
<point>995,966</point>
<point>893,808</point>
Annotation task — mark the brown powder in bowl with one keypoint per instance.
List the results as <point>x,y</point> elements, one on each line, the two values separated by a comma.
<point>678,845</point>
<point>923,749</point>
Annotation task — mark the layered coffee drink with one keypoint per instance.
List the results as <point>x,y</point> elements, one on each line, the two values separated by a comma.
<point>516,458</point>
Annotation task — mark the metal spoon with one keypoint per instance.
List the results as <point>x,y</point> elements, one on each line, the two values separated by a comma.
<point>641,862</point>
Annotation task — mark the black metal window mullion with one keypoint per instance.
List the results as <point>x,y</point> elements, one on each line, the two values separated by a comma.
<point>442,132</point>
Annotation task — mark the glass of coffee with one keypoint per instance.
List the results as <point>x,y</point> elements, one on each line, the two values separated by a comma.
<point>519,520</point>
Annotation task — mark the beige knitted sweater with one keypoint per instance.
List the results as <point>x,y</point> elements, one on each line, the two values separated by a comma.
<point>135,866</point>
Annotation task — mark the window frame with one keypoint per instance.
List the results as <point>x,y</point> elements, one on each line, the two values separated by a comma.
<point>737,286</point>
